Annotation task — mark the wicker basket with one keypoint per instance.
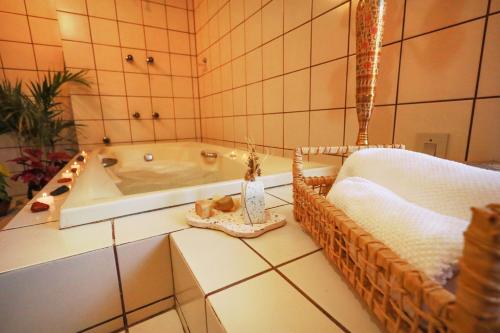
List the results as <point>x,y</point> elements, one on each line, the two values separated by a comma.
<point>403,298</point>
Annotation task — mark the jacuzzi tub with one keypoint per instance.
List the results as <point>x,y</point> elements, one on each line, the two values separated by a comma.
<point>178,174</point>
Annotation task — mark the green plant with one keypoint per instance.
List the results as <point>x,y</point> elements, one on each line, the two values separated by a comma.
<point>4,173</point>
<point>36,117</point>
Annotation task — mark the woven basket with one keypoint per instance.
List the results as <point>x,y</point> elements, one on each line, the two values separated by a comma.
<point>403,298</point>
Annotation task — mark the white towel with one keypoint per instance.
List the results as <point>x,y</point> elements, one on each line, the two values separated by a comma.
<point>430,241</point>
<point>444,186</point>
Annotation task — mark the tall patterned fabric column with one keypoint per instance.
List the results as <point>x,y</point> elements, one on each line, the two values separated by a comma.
<point>369,30</point>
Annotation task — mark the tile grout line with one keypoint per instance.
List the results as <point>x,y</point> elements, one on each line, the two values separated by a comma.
<point>478,79</point>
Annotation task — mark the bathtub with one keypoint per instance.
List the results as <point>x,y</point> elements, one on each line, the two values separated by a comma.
<point>177,174</point>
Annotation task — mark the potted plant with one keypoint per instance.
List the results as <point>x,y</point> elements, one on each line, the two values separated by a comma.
<point>252,190</point>
<point>36,119</point>
<point>5,199</point>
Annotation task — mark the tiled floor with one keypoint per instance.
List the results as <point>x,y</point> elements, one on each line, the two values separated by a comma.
<point>167,322</point>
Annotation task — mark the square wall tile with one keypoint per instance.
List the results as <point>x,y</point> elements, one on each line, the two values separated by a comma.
<point>428,15</point>
<point>251,6</point>
<point>449,71</point>
<point>489,84</point>
<point>238,41</point>
<point>13,6</point>
<point>14,28</point>
<point>111,83</point>
<point>227,103</point>
<point>272,20</point>
<point>156,39</point>
<point>142,105</point>
<point>164,106</point>
<point>182,86</point>
<point>78,55</point>
<point>485,136</point>
<point>177,19</point>
<point>41,8</point>
<point>273,130</point>
<point>145,271</point>
<point>86,107</point>
<point>44,31</point>
<point>108,57</point>
<point>238,69</point>
<point>164,129</point>
<point>184,108</point>
<point>114,107</point>
<point>185,128</point>
<point>228,128</point>
<point>272,58</point>
<point>181,65</point>
<point>328,85</point>
<point>253,65</point>
<point>49,58</point>
<point>91,131</point>
<point>327,127</point>
<point>253,32</point>
<point>102,8</point>
<point>118,130</point>
<point>297,45</point>
<point>132,35</point>
<point>273,95</point>
<point>296,129</point>
<point>332,45</point>
<point>178,42</point>
<point>240,129</point>
<point>379,130</point>
<point>104,31</point>
<point>321,6</point>
<point>444,117</point>
<point>296,13</point>
<point>296,91</point>
<point>73,27</point>
<point>254,98</point>
<point>161,85</point>
<point>154,14</point>
<point>17,55</point>
<point>142,130</point>
<point>137,66</point>
<point>255,129</point>
<point>237,12</point>
<point>137,84</point>
<point>129,11</point>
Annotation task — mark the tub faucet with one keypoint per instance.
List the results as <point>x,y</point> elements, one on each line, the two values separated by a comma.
<point>210,154</point>
<point>148,157</point>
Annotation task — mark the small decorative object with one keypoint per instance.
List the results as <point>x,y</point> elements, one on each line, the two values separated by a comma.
<point>369,30</point>
<point>252,191</point>
<point>37,207</point>
<point>64,180</point>
<point>234,224</point>
<point>203,208</point>
<point>80,158</point>
<point>5,199</point>
<point>60,190</point>
<point>75,168</point>
<point>224,204</point>
<point>46,199</point>
<point>67,174</point>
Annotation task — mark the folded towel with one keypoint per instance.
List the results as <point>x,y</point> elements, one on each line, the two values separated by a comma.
<point>444,186</point>
<point>430,241</point>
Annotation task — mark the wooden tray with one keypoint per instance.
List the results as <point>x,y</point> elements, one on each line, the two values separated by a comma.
<point>232,223</point>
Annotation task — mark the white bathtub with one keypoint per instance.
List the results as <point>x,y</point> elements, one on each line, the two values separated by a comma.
<point>177,175</point>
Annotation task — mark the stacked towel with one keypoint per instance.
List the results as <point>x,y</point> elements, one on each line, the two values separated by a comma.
<point>430,241</point>
<point>443,186</point>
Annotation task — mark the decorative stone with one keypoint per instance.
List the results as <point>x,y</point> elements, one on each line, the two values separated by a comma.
<point>224,204</point>
<point>253,202</point>
<point>60,190</point>
<point>233,223</point>
<point>37,207</point>
<point>203,208</point>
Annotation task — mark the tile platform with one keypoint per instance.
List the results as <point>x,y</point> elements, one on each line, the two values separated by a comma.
<point>276,271</point>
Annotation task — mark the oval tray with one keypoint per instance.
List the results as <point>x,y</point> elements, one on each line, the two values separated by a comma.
<point>233,224</point>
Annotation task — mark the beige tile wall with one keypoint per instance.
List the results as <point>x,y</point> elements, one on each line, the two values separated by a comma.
<point>283,73</point>
<point>97,35</point>
<point>30,45</point>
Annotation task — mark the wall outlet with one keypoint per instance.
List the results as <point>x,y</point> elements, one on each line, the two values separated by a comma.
<point>435,144</point>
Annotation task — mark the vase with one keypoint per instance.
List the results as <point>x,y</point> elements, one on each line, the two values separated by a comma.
<point>253,202</point>
<point>4,207</point>
<point>369,30</point>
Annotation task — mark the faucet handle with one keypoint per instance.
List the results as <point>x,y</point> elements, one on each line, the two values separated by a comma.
<point>156,115</point>
<point>150,60</point>
<point>136,115</point>
<point>129,57</point>
<point>106,140</point>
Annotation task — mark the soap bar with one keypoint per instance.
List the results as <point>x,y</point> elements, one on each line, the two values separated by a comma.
<point>39,207</point>
<point>224,204</point>
<point>203,208</point>
<point>60,190</point>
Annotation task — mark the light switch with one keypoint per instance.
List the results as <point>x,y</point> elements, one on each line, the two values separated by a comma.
<point>435,144</point>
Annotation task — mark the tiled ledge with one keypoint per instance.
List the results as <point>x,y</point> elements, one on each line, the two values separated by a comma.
<point>291,288</point>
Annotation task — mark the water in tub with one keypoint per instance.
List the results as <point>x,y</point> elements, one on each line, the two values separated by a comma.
<point>139,176</point>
